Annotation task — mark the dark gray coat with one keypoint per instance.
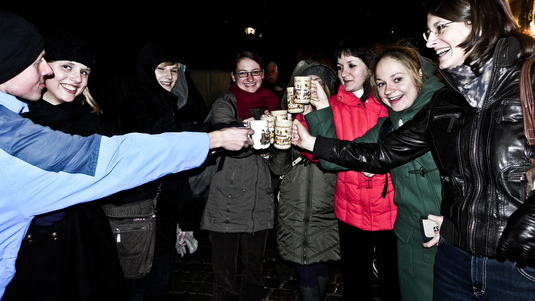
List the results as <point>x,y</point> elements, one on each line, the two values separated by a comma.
<point>240,198</point>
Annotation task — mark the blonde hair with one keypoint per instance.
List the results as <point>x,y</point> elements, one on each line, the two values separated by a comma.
<point>405,54</point>
<point>165,64</point>
<point>88,98</point>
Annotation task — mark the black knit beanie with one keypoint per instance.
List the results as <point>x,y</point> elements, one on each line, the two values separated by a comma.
<point>20,45</point>
<point>325,73</point>
<point>66,45</point>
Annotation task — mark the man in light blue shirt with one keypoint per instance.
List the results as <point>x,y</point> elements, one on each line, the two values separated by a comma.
<point>42,170</point>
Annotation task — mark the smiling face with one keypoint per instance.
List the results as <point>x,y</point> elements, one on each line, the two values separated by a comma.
<point>395,85</point>
<point>248,75</point>
<point>445,37</point>
<point>166,75</point>
<point>30,82</point>
<point>69,80</point>
<point>352,72</point>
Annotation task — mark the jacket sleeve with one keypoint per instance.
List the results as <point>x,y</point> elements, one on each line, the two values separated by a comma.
<point>224,111</point>
<point>321,123</point>
<point>61,170</point>
<point>401,146</point>
<point>139,115</point>
<point>372,135</point>
<point>281,161</point>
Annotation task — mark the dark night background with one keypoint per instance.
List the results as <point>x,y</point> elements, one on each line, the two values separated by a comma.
<point>208,35</point>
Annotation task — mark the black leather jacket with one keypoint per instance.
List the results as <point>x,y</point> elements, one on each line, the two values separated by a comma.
<point>482,155</point>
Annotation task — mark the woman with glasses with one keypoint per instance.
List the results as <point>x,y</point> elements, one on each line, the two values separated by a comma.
<point>480,52</point>
<point>239,210</point>
<point>475,132</point>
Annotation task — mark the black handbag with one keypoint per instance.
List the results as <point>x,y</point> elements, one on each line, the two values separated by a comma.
<point>134,227</point>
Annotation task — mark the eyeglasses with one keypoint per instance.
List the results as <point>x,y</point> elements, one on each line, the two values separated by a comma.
<point>438,30</point>
<point>244,74</point>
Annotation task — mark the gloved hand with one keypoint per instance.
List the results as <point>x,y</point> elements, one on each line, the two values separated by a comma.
<point>185,239</point>
<point>517,242</point>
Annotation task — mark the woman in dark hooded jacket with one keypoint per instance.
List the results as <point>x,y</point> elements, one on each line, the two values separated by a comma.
<point>160,100</point>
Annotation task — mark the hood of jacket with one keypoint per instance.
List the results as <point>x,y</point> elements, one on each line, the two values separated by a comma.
<point>149,57</point>
<point>432,83</point>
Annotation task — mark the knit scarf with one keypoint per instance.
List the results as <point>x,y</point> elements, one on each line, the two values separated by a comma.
<point>471,86</point>
<point>262,99</point>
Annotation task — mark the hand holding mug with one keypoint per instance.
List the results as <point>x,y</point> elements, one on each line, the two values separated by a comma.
<point>301,137</point>
<point>319,98</point>
<point>232,138</point>
<point>261,136</point>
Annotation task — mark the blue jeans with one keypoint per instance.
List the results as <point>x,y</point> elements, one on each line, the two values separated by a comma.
<point>461,276</point>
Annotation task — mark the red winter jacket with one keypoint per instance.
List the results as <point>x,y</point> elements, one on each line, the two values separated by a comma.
<point>357,199</point>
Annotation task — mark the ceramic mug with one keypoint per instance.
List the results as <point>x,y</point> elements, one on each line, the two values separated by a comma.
<point>283,134</point>
<point>280,114</point>
<point>271,126</point>
<point>261,137</point>
<point>292,106</point>
<point>302,89</point>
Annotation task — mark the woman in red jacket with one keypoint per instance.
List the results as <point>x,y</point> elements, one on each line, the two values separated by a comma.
<point>363,205</point>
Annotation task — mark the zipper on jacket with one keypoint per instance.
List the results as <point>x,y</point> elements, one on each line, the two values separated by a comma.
<point>308,205</point>
<point>255,199</point>
<point>451,116</point>
<point>474,159</point>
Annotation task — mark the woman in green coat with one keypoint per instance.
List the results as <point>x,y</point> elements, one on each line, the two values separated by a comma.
<point>405,82</point>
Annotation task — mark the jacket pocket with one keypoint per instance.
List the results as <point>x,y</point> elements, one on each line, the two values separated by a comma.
<point>231,192</point>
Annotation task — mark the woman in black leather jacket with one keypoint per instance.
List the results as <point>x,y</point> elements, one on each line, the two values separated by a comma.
<point>475,133</point>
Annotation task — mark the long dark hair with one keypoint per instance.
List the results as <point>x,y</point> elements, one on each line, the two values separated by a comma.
<point>358,47</point>
<point>247,55</point>
<point>490,21</point>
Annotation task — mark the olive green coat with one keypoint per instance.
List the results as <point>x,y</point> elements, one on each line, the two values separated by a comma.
<point>307,229</point>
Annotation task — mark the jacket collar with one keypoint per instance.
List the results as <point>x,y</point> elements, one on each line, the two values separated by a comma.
<point>505,54</point>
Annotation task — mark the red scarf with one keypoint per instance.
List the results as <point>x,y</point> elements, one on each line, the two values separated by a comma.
<point>263,99</point>
<point>306,154</point>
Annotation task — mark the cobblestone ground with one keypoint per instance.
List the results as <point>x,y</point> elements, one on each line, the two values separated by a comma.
<point>192,278</point>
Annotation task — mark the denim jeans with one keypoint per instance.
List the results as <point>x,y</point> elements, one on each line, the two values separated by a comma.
<point>225,254</point>
<point>463,277</point>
